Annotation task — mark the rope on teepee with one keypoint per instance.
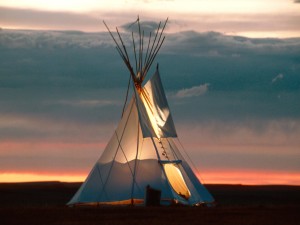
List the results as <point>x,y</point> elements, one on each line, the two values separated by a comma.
<point>126,98</point>
<point>189,158</point>
<point>132,173</point>
<point>113,161</point>
<point>97,166</point>
<point>135,162</point>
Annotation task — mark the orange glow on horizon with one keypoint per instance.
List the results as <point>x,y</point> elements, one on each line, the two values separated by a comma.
<point>209,177</point>
<point>35,177</point>
<point>250,177</point>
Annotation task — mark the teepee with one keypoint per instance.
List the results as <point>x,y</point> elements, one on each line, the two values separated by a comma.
<point>144,151</point>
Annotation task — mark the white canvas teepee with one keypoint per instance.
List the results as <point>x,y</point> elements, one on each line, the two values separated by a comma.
<point>144,150</point>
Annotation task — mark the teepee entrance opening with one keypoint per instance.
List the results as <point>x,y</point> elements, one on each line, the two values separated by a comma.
<point>176,180</point>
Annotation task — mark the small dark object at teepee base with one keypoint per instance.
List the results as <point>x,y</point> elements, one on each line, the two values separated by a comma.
<point>152,197</point>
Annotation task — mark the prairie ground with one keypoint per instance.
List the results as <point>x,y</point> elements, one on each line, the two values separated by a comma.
<point>44,203</point>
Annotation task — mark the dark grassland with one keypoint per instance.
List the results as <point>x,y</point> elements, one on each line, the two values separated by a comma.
<point>44,203</point>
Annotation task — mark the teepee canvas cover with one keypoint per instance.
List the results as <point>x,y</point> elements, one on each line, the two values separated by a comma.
<point>143,152</point>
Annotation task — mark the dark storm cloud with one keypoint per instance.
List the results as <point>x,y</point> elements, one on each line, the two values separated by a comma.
<point>75,68</point>
<point>214,48</point>
<point>64,59</point>
<point>239,71</point>
<point>48,40</point>
<point>50,73</point>
<point>212,44</point>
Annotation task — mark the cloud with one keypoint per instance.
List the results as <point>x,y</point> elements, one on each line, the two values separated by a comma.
<point>297,1</point>
<point>234,23</point>
<point>53,39</point>
<point>193,91</point>
<point>245,145</point>
<point>29,128</point>
<point>278,77</point>
<point>215,44</point>
<point>146,26</point>
<point>89,103</point>
<point>38,19</point>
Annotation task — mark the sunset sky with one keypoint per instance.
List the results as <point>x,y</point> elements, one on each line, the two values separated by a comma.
<point>231,71</point>
<point>255,18</point>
